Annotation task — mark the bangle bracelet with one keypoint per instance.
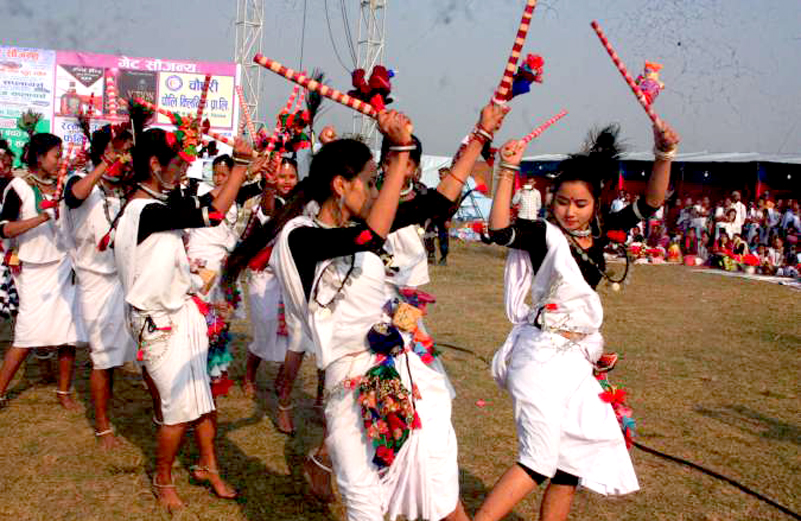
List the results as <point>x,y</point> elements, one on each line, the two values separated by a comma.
<point>403,148</point>
<point>460,181</point>
<point>665,155</point>
<point>510,175</point>
<point>508,166</point>
<point>483,133</point>
<point>240,161</point>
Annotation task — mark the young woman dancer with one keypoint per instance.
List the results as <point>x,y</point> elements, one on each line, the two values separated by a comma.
<point>91,203</point>
<point>566,433</point>
<point>164,318</point>
<point>48,307</point>
<point>270,333</point>
<point>335,283</point>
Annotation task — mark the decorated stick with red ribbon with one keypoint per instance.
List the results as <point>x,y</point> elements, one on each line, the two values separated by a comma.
<point>502,93</point>
<point>111,93</point>
<point>277,130</point>
<point>539,130</point>
<point>246,114</point>
<point>315,86</point>
<point>62,175</point>
<point>626,76</point>
<point>203,96</point>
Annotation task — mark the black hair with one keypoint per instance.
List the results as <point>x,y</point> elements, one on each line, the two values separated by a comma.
<point>6,148</point>
<point>100,139</point>
<point>39,145</point>
<point>152,142</point>
<point>596,165</point>
<point>225,159</point>
<point>290,161</point>
<point>415,155</point>
<point>343,157</point>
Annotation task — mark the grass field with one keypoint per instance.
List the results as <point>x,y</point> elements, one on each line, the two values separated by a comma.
<point>712,365</point>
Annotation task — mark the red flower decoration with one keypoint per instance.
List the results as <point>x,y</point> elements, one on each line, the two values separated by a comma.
<point>482,188</point>
<point>427,358</point>
<point>477,226</point>
<point>364,237</point>
<point>385,454</point>
<point>171,139</point>
<point>551,307</point>
<point>616,236</point>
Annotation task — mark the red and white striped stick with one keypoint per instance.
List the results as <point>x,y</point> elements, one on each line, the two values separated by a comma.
<point>315,86</point>
<point>62,172</point>
<point>539,130</point>
<point>203,96</point>
<point>511,65</point>
<point>246,114</point>
<point>626,76</point>
<point>111,93</point>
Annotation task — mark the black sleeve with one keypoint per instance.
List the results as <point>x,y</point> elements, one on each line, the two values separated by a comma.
<point>179,212</point>
<point>310,245</point>
<point>248,191</point>
<point>628,217</point>
<point>427,205</point>
<point>11,206</point>
<point>69,196</point>
<point>525,235</point>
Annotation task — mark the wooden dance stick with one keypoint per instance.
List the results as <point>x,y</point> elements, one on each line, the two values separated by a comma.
<point>62,174</point>
<point>626,76</point>
<point>511,65</point>
<point>539,130</point>
<point>246,114</point>
<point>111,93</point>
<point>315,86</point>
<point>203,96</point>
<point>223,139</point>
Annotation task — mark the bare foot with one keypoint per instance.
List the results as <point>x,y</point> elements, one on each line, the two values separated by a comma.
<point>220,488</point>
<point>168,497</point>
<point>107,442</point>
<point>249,389</point>
<point>67,402</point>
<point>284,419</point>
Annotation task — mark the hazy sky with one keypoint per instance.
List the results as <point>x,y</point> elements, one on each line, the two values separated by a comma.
<point>731,67</point>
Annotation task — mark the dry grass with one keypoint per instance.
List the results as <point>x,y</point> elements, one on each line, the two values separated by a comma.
<point>712,365</point>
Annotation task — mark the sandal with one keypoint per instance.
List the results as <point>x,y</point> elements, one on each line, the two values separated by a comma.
<point>320,487</point>
<point>193,480</point>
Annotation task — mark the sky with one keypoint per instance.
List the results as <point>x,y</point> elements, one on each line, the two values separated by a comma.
<point>731,67</point>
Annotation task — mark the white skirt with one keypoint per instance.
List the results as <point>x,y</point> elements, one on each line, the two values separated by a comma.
<point>423,481</point>
<point>48,306</point>
<point>102,305</point>
<point>264,295</point>
<point>175,356</point>
<point>562,423</point>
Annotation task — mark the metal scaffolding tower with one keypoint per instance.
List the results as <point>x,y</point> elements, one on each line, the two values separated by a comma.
<point>248,24</point>
<point>371,43</point>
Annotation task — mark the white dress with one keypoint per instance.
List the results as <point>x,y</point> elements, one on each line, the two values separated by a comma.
<point>423,481</point>
<point>164,320</point>
<point>561,421</point>
<point>100,295</point>
<point>48,307</point>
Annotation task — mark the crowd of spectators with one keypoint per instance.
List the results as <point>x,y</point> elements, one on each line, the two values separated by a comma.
<point>735,235</point>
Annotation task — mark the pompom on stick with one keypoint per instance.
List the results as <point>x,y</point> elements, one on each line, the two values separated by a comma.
<point>539,130</point>
<point>505,87</point>
<point>626,76</point>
